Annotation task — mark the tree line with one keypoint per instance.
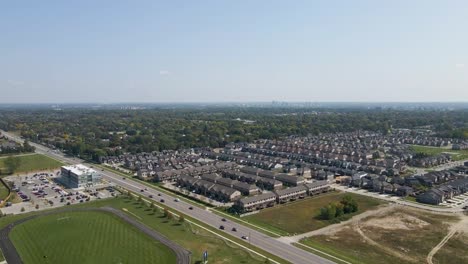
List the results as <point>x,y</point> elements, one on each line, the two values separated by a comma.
<point>94,133</point>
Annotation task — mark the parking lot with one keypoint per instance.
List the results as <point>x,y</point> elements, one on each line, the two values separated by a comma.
<point>43,190</point>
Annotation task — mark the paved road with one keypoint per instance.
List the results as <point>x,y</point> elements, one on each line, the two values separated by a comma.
<point>283,250</point>
<point>12,256</point>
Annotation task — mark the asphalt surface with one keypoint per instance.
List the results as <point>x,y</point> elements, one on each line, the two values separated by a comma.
<point>273,246</point>
<point>12,256</point>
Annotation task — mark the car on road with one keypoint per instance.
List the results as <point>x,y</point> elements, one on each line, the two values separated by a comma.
<point>150,196</point>
<point>190,208</point>
<point>159,194</point>
<point>123,178</point>
<point>223,219</point>
<point>221,227</point>
<point>162,200</point>
<point>142,190</point>
<point>176,200</point>
<point>245,237</point>
<point>234,229</point>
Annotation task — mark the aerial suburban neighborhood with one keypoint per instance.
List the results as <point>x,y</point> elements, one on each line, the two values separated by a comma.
<point>233,132</point>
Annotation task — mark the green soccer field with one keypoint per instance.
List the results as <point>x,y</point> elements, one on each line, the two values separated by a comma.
<point>86,237</point>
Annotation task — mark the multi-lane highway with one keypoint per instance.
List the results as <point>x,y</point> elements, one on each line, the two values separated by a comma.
<point>283,250</point>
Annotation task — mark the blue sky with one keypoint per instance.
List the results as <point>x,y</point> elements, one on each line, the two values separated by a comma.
<point>205,51</point>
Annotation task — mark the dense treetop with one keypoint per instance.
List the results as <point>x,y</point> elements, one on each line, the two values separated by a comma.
<point>92,133</point>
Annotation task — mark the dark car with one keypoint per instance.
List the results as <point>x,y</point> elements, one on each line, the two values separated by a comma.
<point>150,196</point>
<point>234,229</point>
<point>142,190</point>
<point>224,219</point>
<point>162,200</point>
<point>123,178</point>
<point>221,227</point>
<point>190,208</point>
<point>159,194</point>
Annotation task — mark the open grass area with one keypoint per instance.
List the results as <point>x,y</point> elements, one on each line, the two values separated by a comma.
<point>432,151</point>
<point>397,236</point>
<point>30,163</point>
<point>3,191</point>
<point>86,237</point>
<point>302,216</point>
<point>454,251</point>
<point>187,235</point>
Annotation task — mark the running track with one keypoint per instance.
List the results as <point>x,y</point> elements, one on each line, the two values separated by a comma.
<point>12,256</point>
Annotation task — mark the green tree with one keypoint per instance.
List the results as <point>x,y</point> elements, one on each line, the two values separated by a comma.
<point>339,209</point>
<point>169,215</point>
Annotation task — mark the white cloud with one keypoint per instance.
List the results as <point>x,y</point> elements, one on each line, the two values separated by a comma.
<point>164,72</point>
<point>460,65</point>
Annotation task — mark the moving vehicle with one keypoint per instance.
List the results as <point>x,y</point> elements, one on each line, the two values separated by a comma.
<point>221,227</point>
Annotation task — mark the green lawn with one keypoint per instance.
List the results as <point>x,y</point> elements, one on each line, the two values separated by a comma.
<point>34,162</point>
<point>3,191</point>
<point>86,237</point>
<point>432,151</point>
<point>191,237</point>
<point>302,216</point>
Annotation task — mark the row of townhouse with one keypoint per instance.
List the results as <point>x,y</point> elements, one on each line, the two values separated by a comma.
<point>444,192</point>
<point>264,200</point>
<point>261,182</point>
<point>173,175</point>
<point>288,180</point>
<point>210,189</point>
<point>244,188</point>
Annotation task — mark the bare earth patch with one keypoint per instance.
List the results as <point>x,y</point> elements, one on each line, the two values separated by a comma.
<point>396,221</point>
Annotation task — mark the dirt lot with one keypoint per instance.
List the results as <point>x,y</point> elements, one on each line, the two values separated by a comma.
<point>401,235</point>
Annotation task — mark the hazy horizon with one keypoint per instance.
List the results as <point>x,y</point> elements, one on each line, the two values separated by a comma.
<point>234,52</point>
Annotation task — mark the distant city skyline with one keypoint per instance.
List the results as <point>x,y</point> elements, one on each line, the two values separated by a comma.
<point>233,51</point>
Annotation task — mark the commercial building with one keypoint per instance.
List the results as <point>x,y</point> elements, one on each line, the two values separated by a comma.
<point>79,176</point>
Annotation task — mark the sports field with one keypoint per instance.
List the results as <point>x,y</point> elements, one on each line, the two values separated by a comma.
<point>33,162</point>
<point>432,151</point>
<point>302,216</point>
<point>86,237</point>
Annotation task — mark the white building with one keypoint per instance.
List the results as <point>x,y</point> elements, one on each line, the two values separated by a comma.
<point>78,176</point>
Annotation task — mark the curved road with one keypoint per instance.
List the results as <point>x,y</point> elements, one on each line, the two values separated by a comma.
<point>12,256</point>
